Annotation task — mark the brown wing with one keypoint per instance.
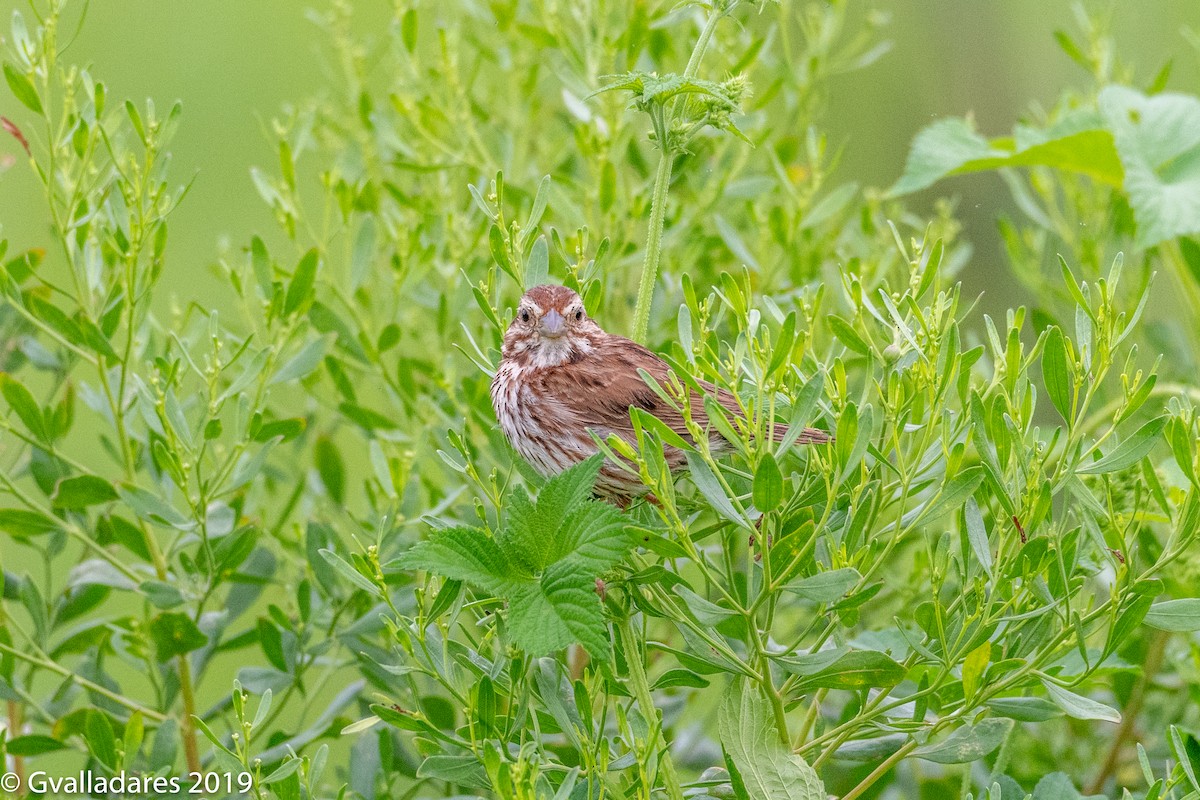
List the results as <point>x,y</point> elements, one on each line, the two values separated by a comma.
<point>599,389</point>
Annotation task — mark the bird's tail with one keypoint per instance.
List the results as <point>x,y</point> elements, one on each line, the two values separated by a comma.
<point>807,436</point>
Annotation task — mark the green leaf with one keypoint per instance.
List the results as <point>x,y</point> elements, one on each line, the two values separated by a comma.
<point>100,738</point>
<point>285,429</point>
<point>22,88</point>
<point>537,268</point>
<point>304,362</point>
<point>1057,786</point>
<point>977,535</point>
<point>966,744</point>
<point>768,484</point>
<point>83,491</point>
<point>162,595</point>
<point>673,678</point>
<point>368,419</point>
<point>1024,709</point>
<point>523,537</point>
<point>1177,616</point>
<point>330,468</point>
<point>1128,452</point>
<point>462,554</point>
<point>973,668</point>
<point>1187,753</point>
<point>34,745</point>
<point>348,572</point>
<point>712,490</point>
<point>593,538</point>
<point>22,524</point>
<point>560,495</point>
<point>761,765</point>
<point>953,493</point>
<point>846,334</point>
<point>363,254</point>
<point>152,508</point>
<point>260,263</point>
<point>1079,707</point>
<point>300,290</point>
<point>21,401</point>
<point>826,587</point>
<point>560,609</point>
<point>174,634</point>
<point>855,669</point>
<point>1076,143</point>
<point>706,612</point>
<point>1055,372</point>
<point>270,638</point>
<point>1158,141</point>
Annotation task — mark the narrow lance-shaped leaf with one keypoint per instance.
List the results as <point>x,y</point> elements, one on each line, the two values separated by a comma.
<point>1056,373</point>
<point>1128,452</point>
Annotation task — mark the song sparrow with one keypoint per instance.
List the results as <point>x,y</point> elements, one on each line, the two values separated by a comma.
<point>562,375</point>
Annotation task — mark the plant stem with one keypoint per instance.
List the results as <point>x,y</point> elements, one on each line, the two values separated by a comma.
<point>1131,712</point>
<point>662,181</point>
<point>190,749</point>
<point>46,663</point>
<point>641,691</point>
<point>880,771</point>
<point>658,207</point>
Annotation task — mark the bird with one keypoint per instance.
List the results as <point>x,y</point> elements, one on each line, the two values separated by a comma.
<point>562,378</point>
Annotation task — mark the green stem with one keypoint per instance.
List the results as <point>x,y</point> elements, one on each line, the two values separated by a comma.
<point>641,691</point>
<point>662,181</point>
<point>880,771</point>
<point>658,207</point>
<point>54,667</point>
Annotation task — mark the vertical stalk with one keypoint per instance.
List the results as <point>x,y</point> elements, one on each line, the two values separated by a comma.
<point>658,208</point>
<point>641,691</point>
<point>662,180</point>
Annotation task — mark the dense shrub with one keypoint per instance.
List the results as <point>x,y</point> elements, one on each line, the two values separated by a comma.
<point>247,545</point>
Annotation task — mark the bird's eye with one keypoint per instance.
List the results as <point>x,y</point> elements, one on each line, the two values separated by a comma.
<point>524,316</point>
<point>579,315</point>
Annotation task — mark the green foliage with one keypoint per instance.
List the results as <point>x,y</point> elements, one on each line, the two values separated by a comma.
<point>545,561</point>
<point>1148,146</point>
<point>305,496</point>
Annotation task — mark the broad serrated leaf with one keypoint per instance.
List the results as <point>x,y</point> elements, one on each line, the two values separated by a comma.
<point>564,492</point>
<point>761,766</point>
<point>560,609</point>
<point>462,554</point>
<point>593,538</point>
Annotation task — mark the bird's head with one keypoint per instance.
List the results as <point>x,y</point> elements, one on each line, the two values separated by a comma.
<point>551,328</point>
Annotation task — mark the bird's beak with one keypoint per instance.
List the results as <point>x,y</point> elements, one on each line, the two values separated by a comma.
<point>551,325</point>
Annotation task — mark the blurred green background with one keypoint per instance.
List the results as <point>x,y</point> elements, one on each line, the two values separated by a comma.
<point>235,63</point>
